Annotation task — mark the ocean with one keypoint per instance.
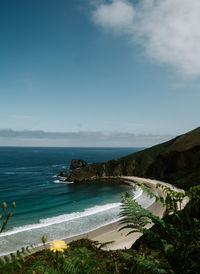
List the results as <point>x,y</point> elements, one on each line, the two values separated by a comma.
<point>46,206</point>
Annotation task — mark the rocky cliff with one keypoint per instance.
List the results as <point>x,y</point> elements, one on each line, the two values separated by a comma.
<point>176,161</point>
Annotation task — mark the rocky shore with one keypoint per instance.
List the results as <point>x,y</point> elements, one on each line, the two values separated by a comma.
<point>175,162</point>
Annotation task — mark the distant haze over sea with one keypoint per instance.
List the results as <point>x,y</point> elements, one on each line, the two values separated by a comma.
<point>9,137</point>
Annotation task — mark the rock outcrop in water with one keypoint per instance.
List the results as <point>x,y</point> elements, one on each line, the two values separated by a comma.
<point>77,163</point>
<point>176,161</point>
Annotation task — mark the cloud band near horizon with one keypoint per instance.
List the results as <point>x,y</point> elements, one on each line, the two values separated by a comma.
<point>9,137</point>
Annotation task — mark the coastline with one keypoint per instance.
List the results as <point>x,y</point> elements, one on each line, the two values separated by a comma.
<point>110,232</point>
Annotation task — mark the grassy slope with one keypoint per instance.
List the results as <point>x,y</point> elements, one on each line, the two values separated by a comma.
<point>176,161</point>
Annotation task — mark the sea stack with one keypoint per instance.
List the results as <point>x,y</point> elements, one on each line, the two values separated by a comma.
<point>77,163</point>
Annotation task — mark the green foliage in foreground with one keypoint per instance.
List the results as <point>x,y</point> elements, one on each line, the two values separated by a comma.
<point>85,256</point>
<point>9,263</point>
<point>176,237</point>
<point>6,215</point>
<point>172,245</point>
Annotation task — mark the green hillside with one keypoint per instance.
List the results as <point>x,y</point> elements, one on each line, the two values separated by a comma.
<point>176,161</point>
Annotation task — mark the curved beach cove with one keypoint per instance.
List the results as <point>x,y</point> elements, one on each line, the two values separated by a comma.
<point>68,225</point>
<point>111,232</point>
<point>63,210</point>
<point>28,176</point>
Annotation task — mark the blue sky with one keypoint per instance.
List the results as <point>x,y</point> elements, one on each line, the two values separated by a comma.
<point>100,66</point>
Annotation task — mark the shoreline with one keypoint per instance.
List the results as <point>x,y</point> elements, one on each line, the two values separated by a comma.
<point>110,232</point>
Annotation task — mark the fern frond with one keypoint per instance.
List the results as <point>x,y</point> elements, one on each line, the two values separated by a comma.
<point>101,245</point>
<point>6,259</point>
<point>135,217</point>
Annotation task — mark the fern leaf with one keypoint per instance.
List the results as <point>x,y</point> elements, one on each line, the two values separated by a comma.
<point>1,262</point>
<point>27,249</point>
<point>20,256</point>
<point>6,259</point>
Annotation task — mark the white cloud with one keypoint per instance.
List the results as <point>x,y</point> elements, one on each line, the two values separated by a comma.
<point>168,30</point>
<point>117,16</point>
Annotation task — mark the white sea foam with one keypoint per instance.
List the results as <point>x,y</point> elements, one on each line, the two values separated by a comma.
<point>66,225</point>
<point>62,218</point>
<point>56,181</point>
<point>28,167</point>
<point>59,165</point>
<point>75,215</point>
<point>137,193</point>
<point>140,197</point>
<point>60,227</point>
<point>20,172</point>
<point>62,182</point>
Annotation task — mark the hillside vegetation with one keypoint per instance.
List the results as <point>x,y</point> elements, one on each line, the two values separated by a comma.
<point>176,161</point>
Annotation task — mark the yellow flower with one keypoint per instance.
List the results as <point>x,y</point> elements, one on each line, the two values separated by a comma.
<point>58,245</point>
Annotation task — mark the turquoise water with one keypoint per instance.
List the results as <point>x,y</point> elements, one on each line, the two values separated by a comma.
<point>45,206</point>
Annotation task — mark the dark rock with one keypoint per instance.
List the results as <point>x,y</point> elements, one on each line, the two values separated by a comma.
<point>61,174</point>
<point>77,163</point>
<point>176,162</point>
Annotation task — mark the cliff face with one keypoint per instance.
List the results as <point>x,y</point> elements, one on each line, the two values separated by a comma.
<point>176,161</point>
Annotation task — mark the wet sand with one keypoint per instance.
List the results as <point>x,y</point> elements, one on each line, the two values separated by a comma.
<point>111,231</point>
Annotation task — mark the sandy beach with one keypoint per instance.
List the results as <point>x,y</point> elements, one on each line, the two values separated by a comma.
<point>111,231</point>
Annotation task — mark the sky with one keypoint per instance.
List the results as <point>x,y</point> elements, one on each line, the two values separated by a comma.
<point>99,69</point>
